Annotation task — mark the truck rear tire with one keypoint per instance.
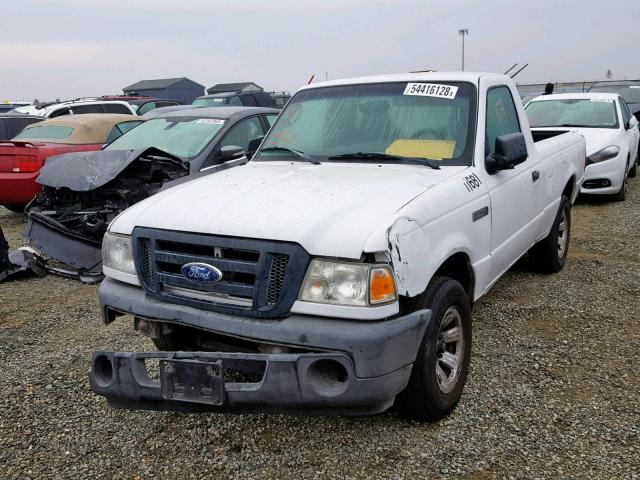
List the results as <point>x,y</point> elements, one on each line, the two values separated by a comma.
<point>440,370</point>
<point>550,254</point>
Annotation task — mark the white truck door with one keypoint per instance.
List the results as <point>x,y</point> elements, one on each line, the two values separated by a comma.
<point>516,194</point>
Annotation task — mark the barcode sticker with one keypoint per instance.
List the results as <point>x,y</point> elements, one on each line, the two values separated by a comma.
<point>431,90</point>
<point>210,121</point>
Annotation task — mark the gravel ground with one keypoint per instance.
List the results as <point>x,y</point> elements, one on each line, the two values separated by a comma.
<point>553,392</point>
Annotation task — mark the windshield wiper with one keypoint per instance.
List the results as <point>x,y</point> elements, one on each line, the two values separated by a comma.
<point>297,153</point>
<point>377,156</point>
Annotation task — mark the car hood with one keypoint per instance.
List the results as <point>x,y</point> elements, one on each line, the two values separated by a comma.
<point>596,138</point>
<point>85,171</point>
<point>329,209</point>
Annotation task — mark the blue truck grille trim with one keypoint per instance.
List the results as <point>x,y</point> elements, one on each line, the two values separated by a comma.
<point>260,278</point>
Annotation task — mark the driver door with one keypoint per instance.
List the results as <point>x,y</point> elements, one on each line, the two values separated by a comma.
<point>515,194</point>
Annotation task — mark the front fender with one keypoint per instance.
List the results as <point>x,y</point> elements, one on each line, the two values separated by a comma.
<point>416,255</point>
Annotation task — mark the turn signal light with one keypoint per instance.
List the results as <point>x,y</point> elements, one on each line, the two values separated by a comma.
<point>382,286</point>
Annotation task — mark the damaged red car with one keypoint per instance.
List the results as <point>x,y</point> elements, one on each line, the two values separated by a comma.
<point>22,157</point>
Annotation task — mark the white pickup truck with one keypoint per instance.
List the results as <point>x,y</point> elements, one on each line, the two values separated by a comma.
<point>336,271</point>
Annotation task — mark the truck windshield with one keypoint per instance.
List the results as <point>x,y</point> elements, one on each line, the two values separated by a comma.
<point>184,137</point>
<point>423,120</point>
<point>586,113</point>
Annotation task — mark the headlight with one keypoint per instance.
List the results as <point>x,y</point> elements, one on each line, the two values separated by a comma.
<point>605,154</point>
<point>117,253</point>
<point>353,284</point>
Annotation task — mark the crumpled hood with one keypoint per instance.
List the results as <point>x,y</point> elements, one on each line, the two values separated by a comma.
<point>329,209</point>
<point>85,171</point>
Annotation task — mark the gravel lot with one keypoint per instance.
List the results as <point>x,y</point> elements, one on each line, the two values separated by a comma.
<point>553,392</point>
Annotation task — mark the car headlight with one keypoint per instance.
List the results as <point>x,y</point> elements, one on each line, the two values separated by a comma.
<point>605,154</point>
<point>117,253</point>
<point>352,284</point>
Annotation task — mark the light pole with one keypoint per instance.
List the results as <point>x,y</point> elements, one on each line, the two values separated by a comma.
<point>463,32</point>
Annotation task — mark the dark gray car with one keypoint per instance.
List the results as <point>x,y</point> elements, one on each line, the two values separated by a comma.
<point>83,191</point>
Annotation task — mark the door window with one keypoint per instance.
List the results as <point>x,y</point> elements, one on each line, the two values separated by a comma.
<point>271,118</point>
<point>120,129</point>
<point>249,101</point>
<point>626,114</point>
<point>147,107</point>
<point>60,112</point>
<point>242,133</point>
<point>235,101</point>
<point>502,117</point>
<point>86,109</point>
<point>116,108</point>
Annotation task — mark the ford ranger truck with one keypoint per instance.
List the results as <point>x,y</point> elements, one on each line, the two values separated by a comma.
<point>336,271</point>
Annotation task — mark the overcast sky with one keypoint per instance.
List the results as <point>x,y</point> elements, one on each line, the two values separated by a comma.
<point>71,48</point>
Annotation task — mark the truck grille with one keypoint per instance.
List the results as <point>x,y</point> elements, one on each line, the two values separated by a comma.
<point>260,278</point>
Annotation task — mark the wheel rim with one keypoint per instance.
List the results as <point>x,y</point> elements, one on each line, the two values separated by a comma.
<point>562,234</point>
<point>449,350</point>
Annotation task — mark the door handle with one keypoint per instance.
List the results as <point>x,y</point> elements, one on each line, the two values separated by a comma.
<point>535,175</point>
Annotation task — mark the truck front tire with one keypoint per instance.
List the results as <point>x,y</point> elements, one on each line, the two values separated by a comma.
<point>550,254</point>
<point>440,370</point>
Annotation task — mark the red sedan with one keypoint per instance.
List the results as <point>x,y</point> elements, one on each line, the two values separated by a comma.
<point>22,157</point>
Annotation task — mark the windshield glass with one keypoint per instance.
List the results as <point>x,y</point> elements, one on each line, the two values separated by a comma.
<point>45,132</point>
<point>630,93</point>
<point>210,102</point>
<point>184,137</point>
<point>589,113</point>
<point>415,119</point>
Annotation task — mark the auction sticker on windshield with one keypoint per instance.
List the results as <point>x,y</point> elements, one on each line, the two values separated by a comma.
<point>431,90</point>
<point>211,121</point>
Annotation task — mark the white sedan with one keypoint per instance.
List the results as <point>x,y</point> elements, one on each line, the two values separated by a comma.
<point>611,132</point>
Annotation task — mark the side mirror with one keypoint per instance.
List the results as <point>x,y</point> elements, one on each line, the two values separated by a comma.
<point>253,145</point>
<point>231,152</point>
<point>511,150</point>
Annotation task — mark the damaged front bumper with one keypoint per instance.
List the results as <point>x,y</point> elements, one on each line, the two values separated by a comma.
<point>336,366</point>
<point>198,381</point>
<point>55,240</point>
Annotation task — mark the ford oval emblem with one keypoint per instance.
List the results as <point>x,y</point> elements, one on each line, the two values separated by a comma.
<point>201,273</point>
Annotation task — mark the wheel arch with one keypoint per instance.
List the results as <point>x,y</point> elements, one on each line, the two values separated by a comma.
<point>570,188</point>
<point>458,267</point>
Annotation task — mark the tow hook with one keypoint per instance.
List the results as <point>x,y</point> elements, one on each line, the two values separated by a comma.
<point>150,328</point>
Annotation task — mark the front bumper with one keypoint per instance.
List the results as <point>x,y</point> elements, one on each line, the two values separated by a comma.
<point>613,170</point>
<point>53,239</point>
<point>373,360</point>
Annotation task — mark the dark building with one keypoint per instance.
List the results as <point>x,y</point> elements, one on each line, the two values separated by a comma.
<point>181,89</point>
<point>234,87</point>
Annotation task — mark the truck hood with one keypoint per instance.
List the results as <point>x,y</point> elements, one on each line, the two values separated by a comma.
<point>329,209</point>
<point>596,138</point>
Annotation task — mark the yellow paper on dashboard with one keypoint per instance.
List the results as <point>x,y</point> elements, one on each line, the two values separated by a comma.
<point>433,149</point>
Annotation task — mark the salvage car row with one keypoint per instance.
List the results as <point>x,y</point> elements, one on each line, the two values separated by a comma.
<point>373,212</point>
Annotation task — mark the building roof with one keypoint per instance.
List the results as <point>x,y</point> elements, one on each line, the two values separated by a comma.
<point>231,87</point>
<point>156,84</point>
<point>88,128</point>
